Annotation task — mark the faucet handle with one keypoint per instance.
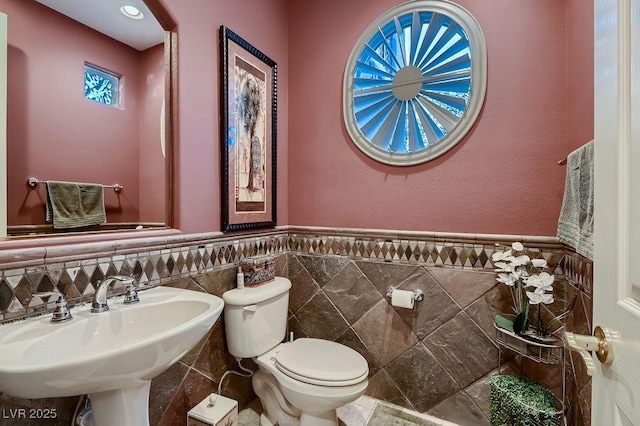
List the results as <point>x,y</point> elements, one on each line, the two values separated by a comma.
<point>124,279</point>
<point>131,296</point>
<point>61,313</point>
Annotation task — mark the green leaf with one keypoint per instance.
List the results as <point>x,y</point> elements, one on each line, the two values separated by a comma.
<point>521,323</point>
<point>504,323</point>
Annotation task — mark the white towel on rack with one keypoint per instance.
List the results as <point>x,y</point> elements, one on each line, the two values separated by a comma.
<point>575,225</point>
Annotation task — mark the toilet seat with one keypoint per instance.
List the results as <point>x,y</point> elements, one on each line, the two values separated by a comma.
<point>321,362</point>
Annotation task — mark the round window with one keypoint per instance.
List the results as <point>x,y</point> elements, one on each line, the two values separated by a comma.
<point>415,82</point>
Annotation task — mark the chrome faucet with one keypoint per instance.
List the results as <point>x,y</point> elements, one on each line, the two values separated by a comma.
<point>61,313</point>
<point>99,303</point>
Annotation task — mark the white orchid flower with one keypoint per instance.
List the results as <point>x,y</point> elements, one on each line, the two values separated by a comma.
<point>517,246</point>
<point>521,260</point>
<point>547,278</point>
<point>542,281</point>
<point>536,298</point>
<point>519,273</point>
<point>539,263</point>
<point>503,267</point>
<point>508,279</point>
<point>499,256</point>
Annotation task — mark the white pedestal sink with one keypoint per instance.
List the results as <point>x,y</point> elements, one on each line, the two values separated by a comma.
<point>112,355</point>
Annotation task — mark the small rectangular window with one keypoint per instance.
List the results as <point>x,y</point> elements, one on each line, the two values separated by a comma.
<point>101,86</point>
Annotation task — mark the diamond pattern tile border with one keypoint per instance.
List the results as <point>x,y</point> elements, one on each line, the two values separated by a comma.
<point>77,279</point>
<point>190,256</point>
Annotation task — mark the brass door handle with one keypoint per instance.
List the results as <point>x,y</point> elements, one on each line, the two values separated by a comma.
<point>600,343</point>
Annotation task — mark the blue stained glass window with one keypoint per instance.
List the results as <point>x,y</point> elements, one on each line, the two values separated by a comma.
<point>415,82</point>
<point>101,86</point>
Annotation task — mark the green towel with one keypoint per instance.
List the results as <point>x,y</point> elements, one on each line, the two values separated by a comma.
<point>73,205</point>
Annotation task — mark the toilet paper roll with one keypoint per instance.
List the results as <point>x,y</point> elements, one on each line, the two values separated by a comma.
<point>402,299</point>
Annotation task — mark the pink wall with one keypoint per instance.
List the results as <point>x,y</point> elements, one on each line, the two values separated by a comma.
<point>502,178</point>
<point>197,164</point>
<point>580,71</point>
<point>152,162</point>
<point>53,131</point>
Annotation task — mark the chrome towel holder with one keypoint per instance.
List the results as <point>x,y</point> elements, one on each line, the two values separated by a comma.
<point>33,182</point>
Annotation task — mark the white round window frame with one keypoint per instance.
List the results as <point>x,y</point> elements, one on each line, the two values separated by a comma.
<point>476,95</point>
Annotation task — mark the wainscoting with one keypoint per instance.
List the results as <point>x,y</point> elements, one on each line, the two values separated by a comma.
<point>435,359</point>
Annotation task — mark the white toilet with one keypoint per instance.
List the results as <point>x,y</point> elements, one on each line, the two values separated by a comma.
<point>300,382</point>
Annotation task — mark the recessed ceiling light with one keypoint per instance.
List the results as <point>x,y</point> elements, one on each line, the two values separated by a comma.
<point>131,12</point>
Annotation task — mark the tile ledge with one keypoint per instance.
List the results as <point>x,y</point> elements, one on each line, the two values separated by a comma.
<point>398,234</point>
<point>62,240</point>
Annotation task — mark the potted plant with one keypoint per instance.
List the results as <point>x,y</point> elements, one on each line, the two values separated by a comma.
<point>530,285</point>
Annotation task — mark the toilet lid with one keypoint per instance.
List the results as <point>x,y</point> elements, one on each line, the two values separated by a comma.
<point>322,362</point>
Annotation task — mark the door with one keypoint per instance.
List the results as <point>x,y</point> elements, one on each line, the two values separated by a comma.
<point>616,387</point>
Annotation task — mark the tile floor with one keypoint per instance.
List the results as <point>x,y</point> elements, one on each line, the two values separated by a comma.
<point>365,411</point>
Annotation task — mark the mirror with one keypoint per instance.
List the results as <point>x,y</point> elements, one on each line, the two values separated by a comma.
<point>55,132</point>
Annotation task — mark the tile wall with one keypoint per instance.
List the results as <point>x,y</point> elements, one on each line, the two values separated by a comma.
<point>339,281</point>
<point>579,276</point>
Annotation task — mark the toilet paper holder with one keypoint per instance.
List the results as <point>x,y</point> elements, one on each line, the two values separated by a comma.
<point>418,295</point>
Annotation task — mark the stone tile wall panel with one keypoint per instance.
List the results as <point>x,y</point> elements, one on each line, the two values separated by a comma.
<point>339,281</point>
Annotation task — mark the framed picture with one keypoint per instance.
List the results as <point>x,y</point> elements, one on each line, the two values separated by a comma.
<point>248,135</point>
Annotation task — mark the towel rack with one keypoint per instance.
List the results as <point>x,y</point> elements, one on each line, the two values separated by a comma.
<point>33,183</point>
<point>562,162</point>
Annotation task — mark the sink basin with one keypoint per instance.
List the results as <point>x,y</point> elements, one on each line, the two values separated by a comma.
<point>112,355</point>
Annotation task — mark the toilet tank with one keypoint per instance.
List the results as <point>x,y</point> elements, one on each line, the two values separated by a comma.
<point>255,318</point>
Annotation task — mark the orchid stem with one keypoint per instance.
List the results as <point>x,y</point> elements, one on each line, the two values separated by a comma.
<point>540,326</point>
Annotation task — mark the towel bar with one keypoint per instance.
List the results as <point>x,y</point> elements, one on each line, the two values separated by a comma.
<point>33,182</point>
